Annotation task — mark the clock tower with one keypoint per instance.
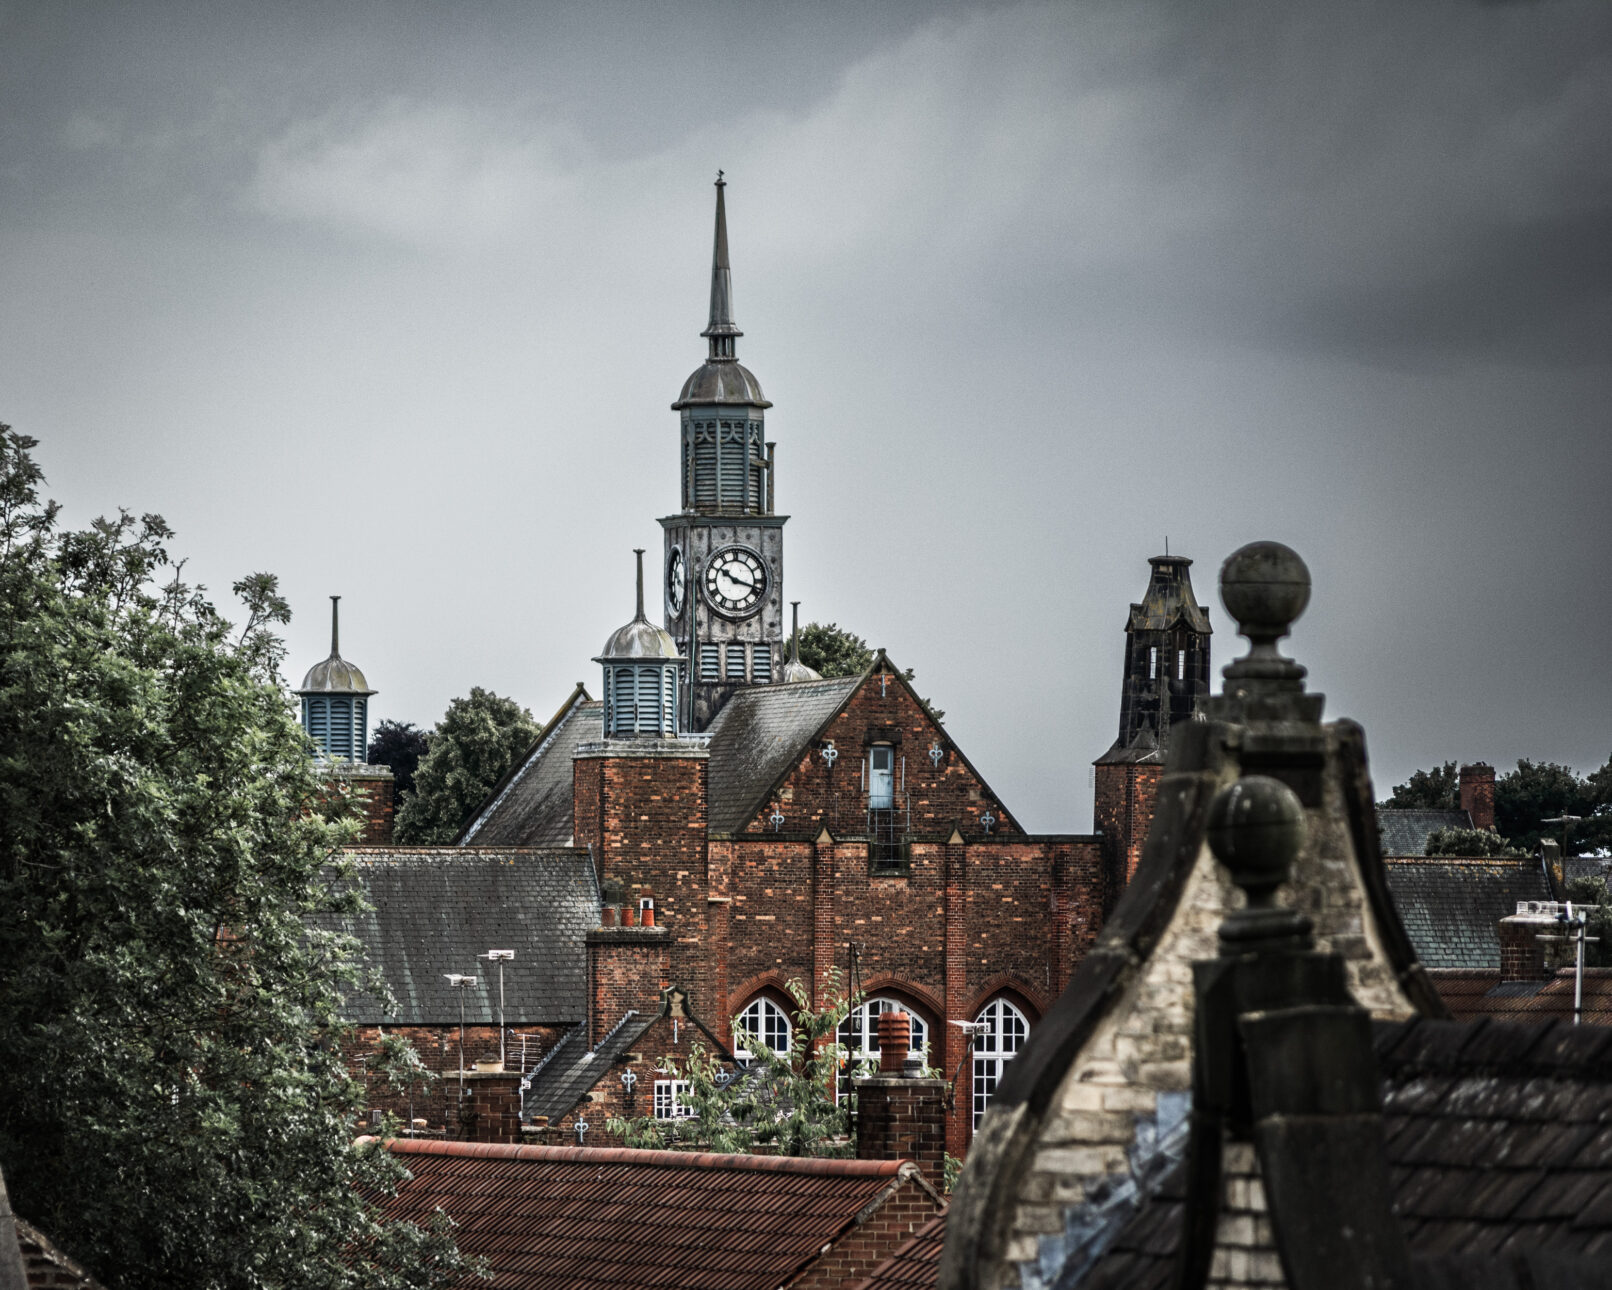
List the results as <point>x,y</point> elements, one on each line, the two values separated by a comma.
<point>722,578</point>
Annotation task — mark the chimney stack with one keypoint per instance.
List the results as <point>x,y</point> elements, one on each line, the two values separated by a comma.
<point>899,1114</point>
<point>1523,955</point>
<point>491,1111</point>
<point>1477,794</point>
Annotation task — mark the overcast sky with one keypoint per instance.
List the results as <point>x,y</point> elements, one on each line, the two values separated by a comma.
<point>391,300</point>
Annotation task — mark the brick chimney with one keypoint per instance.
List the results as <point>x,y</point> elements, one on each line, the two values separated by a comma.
<point>1523,955</point>
<point>899,1115</point>
<point>1477,794</point>
<point>491,1111</point>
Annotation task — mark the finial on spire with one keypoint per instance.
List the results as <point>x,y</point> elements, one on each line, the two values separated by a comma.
<point>794,632</point>
<point>639,552</point>
<point>721,331</point>
<point>335,603</point>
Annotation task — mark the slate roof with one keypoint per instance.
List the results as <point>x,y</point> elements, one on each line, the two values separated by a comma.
<point>531,806</point>
<point>1499,1145</point>
<point>758,735</point>
<point>915,1265</point>
<point>577,1217</point>
<point>1451,906</point>
<point>434,909</point>
<point>575,1068</point>
<point>1470,995</point>
<point>1405,833</point>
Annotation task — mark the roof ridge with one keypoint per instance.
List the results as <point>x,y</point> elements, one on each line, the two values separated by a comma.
<point>811,1165</point>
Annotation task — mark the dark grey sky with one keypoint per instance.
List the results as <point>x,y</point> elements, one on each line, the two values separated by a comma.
<point>391,300</point>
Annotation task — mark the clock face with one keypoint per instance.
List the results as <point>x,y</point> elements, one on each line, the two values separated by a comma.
<point>676,577</point>
<point>735,581</point>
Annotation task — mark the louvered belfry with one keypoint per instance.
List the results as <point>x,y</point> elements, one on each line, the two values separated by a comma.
<point>1166,657</point>
<point>723,579</point>
<point>335,701</point>
<point>641,676</point>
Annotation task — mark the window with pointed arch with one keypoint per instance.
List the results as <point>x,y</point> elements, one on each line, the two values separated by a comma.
<point>764,1022</point>
<point>859,1035</point>
<point>1005,1029</point>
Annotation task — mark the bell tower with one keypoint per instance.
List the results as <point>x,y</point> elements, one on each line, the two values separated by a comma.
<point>722,579</point>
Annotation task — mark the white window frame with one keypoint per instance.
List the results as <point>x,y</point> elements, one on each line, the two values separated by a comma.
<point>667,1104</point>
<point>881,782</point>
<point>1007,1028</point>
<point>766,1020</point>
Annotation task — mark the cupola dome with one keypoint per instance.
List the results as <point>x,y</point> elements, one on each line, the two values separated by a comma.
<point>794,669</point>
<point>334,693</point>
<point>642,673</point>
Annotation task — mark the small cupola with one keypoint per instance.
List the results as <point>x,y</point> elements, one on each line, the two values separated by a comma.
<point>642,672</point>
<point>335,701</point>
<point>794,669</point>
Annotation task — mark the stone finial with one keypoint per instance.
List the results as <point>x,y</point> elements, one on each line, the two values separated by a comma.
<point>1256,828</point>
<point>1265,586</point>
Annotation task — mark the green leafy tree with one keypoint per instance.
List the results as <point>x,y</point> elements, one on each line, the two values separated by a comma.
<point>174,1106</point>
<point>399,746</point>
<point>782,1100</point>
<point>1536,791</point>
<point>832,651</point>
<point>1438,789</point>
<point>1593,895</point>
<point>472,747</point>
<point>397,1062</point>
<point>1468,842</point>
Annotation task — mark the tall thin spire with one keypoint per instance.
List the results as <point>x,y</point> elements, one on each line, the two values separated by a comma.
<point>335,640</point>
<point>639,616</point>
<point>722,331</point>
<point>794,631</point>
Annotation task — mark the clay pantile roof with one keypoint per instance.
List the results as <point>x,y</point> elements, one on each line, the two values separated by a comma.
<point>531,806</point>
<point>915,1265</point>
<point>1470,995</point>
<point>1498,1149</point>
<point>568,1218</point>
<point>1405,833</point>
<point>434,909</point>
<point>1451,906</point>
<point>758,735</point>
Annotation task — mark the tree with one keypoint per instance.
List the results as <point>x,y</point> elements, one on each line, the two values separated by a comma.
<point>1468,842</point>
<point>1438,789</point>
<point>784,1100</point>
<point>1592,894</point>
<point>832,651</point>
<point>1536,791</point>
<point>472,748</point>
<point>174,1107</point>
<point>399,746</point>
<point>400,1067</point>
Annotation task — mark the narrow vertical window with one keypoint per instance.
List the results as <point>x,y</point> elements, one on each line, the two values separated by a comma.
<point>1005,1031</point>
<point>710,661</point>
<point>761,664</point>
<point>1152,662</point>
<point>1180,665</point>
<point>881,777</point>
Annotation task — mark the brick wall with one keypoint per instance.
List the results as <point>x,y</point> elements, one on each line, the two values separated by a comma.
<point>903,1119</point>
<point>1523,955</point>
<point>1125,794</point>
<point>868,1243</point>
<point>627,968</point>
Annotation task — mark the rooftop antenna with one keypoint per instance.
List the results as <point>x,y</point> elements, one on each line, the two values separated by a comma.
<point>461,983</point>
<point>499,957</point>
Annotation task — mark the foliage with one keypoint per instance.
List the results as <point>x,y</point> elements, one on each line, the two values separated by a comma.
<point>782,1100</point>
<point>1592,893</point>
<point>1536,791</point>
<point>951,1171</point>
<point>1438,789</point>
<point>472,747</point>
<point>1468,842</point>
<point>399,746</point>
<point>832,651</point>
<point>398,1063</point>
<point>174,1107</point>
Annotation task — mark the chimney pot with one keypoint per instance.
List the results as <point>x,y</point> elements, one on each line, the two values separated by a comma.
<point>895,1042</point>
<point>608,916</point>
<point>629,916</point>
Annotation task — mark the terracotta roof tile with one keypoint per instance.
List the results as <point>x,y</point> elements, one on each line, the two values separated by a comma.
<point>594,1217</point>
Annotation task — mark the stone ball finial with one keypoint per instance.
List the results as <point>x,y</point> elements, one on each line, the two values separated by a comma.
<point>1264,586</point>
<point>1256,828</point>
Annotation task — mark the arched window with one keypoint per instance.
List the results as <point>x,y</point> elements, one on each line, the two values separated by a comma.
<point>1004,1034</point>
<point>859,1034</point>
<point>763,1022</point>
